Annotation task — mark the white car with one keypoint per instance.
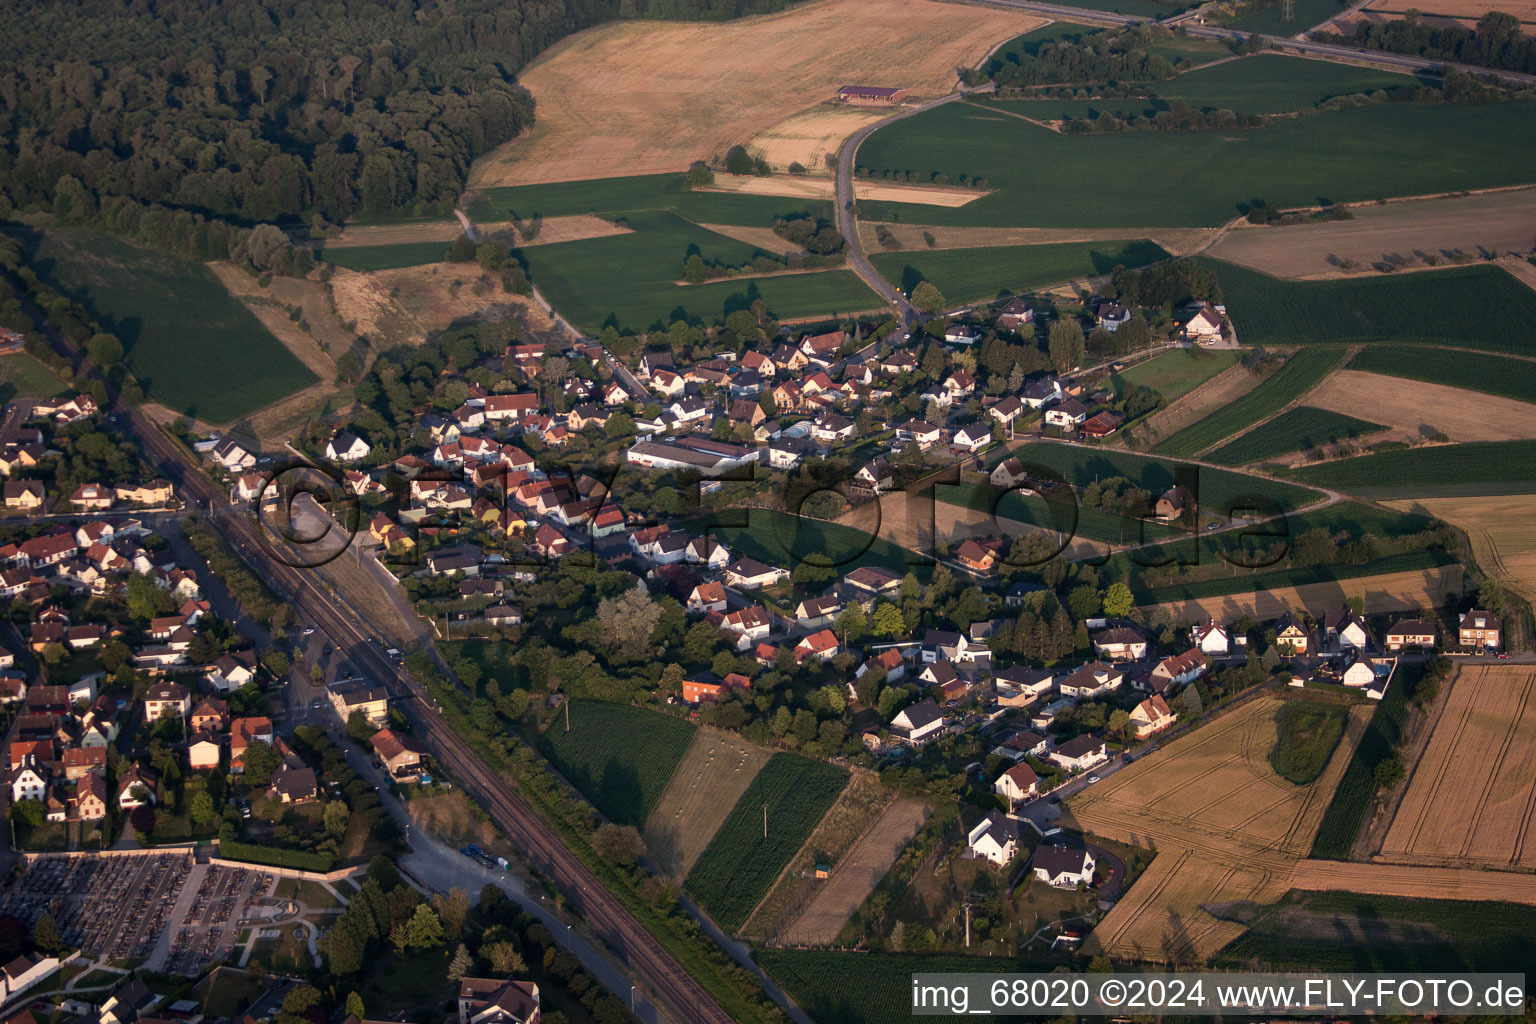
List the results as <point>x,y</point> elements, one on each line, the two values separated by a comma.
<point>1092,779</point>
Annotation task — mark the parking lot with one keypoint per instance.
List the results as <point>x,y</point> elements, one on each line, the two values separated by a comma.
<point>113,907</point>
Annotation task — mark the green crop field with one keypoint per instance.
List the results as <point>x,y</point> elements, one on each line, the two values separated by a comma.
<point>193,346</point>
<point>1177,372</point>
<point>620,757</point>
<point>631,279</point>
<point>1218,489</point>
<point>990,272</point>
<point>1346,931</point>
<point>1090,524</point>
<point>1150,587</point>
<point>612,197</point>
<point>1352,799</point>
<point>867,988</point>
<point>384,257</point>
<point>1473,307</point>
<point>1269,16</point>
<point>1203,178</point>
<point>1150,9</point>
<point>739,866</point>
<point>1306,733</point>
<point>1300,374</point>
<point>1296,430</point>
<point>1262,84</point>
<point>1485,467</point>
<point>782,539</point>
<point>1493,375</point>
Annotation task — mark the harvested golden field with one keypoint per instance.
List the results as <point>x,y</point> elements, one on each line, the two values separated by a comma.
<point>763,238</point>
<point>853,878</point>
<point>1472,796</point>
<point>1221,390</point>
<point>1178,241</point>
<point>644,97</point>
<point>1414,882</point>
<point>1389,592</point>
<point>1225,826</point>
<point>1418,409</point>
<point>798,187</point>
<point>1501,528</point>
<point>572,228</point>
<point>1496,221</point>
<point>1458,13</point>
<point>710,778</point>
<point>808,138</point>
<point>403,306</point>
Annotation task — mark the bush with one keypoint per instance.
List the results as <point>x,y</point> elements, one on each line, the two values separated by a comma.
<point>253,854</point>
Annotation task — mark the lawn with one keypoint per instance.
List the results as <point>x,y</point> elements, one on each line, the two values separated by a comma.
<point>192,346</point>
<point>1481,467</point>
<point>740,864</point>
<point>630,280</point>
<point>1177,372</point>
<point>1345,931</point>
<point>1268,16</point>
<point>611,197</point>
<point>1201,178</point>
<point>1296,430</point>
<point>1263,84</point>
<point>1493,375</point>
<point>990,272</point>
<point>384,257</point>
<point>865,988</point>
<point>1473,307</point>
<point>1352,799</point>
<point>21,376</point>
<point>1306,733</point>
<point>619,757</point>
<point>786,540</point>
<point>1300,374</point>
<point>1218,489</point>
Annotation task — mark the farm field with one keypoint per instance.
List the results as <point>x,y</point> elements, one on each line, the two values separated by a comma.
<point>21,376</point>
<point>190,344</point>
<point>387,256</point>
<point>623,780</point>
<point>1261,84</point>
<point>1270,17</point>
<point>1298,376</point>
<point>1303,427</point>
<point>1345,931</point>
<point>1033,510</point>
<point>780,538</point>
<point>864,988</point>
<point>1082,465</point>
<point>1487,467</point>
<point>1502,532</point>
<point>984,274</point>
<point>1177,372</point>
<point>808,137</point>
<point>1418,409</point>
<point>1348,155</point>
<point>610,198</point>
<point>1472,797</point>
<point>1177,241</point>
<point>796,186</point>
<point>1462,13</point>
<point>1494,221</point>
<point>1225,825</point>
<point>1414,881</point>
<point>855,811</point>
<point>632,280</point>
<point>856,876</point>
<point>922,522</point>
<point>717,768</point>
<point>1267,595</point>
<point>1352,798</point>
<point>740,865</point>
<point>1217,393</point>
<point>634,97</point>
<point>1480,308</point>
<point>1308,732</point>
<point>1471,371</point>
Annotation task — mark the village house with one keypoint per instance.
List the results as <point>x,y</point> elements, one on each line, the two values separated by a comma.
<point>750,624</point>
<point>819,645</point>
<point>155,492</point>
<point>399,754</point>
<point>232,457</point>
<point>498,1001</point>
<point>1015,314</point>
<point>166,699</point>
<point>1152,715</point>
<point>1213,639</point>
<point>972,438</point>
<point>994,839</point>
<point>25,495</point>
<point>1092,679</point>
<point>1007,409</point>
<point>1067,415</point>
<point>1407,633</point>
<point>291,785</point>
<point>1112,316</point>
<point>1009,474</point>
<point>951,646</point>
<point>359,695</point>
<point>921,433</point>
<point>1021,745</point>
<point>751,574</point>
<point>1102,424</point>
<point>1120,643</point>
<point>1019,687</point>
<point>707,686</point>
<point>918,723</point>
<point>91,498</point>
<point>874,477</point>
<point>1345,630</point>
<point>817,612</point>
<point>1042,391</point>
<point>1205,326</point>
<point>1179,669</point>
<point>1063,867</point>
<point>347,447</point>
<point>1017,785</point>
<point>1079,754</point>
<point>1291,636</point>
<point>1479,629</point>
<point>707,597</point>
<point>1174,503</point>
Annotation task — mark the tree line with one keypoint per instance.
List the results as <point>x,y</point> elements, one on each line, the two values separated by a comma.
<point>1104,56</point>
<point>1496,42</point>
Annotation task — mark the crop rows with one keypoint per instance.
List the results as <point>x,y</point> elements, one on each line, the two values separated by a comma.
<point>385,257</point>
<point>740,864</point>
<point>1352,799</point>
<point>863,988</point>
<point>1492,466</point>
<point>1299,375</point>
<point>619,757</point>
<point>986,273</point>
<point>1475,371</point>
<point>1297,430</point>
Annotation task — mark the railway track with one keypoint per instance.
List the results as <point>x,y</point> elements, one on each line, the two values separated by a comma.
<point>684,997</point>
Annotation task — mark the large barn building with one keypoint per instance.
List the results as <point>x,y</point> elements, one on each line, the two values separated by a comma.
<point>870,94</point>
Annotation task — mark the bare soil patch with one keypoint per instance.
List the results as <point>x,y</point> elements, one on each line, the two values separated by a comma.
<point>1394,591</point>
<point>403,306</point>
<point>808,138</point>
<point>572,228</point>
<point>1226,827</point>
<point>840,896</point>
<point>1472,797</point>
<point>1420,409</point>
<point>806,187</point>
<point>1502,531</point>
<point>763,238</point>
<point>1178,241</point>
<point>642,97</point>
<point>1491,221</point>
<point>717,768</point>
<point>452,818</point>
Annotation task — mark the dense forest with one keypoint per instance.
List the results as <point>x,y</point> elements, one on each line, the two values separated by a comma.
<point>273,111</point>
<point>1496,42</point>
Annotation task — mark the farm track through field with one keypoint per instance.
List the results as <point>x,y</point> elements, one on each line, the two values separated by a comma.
<point>1498,762</point>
